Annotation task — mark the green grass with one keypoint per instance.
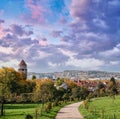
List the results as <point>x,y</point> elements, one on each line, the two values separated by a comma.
<point>19,111</point>
<point>102,108</point>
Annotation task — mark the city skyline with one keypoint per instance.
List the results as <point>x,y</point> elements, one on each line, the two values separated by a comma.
<point>57,35</point>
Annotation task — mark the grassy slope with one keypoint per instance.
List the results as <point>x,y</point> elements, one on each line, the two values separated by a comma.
<point>102,107</point>
<point>19,111</point>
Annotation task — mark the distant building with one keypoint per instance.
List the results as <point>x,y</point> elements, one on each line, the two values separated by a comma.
<point>22,67</point>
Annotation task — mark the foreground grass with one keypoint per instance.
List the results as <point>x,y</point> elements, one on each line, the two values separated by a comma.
<point>102,108</point>
<point>19,111</point>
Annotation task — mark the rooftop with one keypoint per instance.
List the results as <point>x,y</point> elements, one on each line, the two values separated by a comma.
<point>22,63</point>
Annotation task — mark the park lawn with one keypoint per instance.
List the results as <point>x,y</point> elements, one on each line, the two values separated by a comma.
<point>19,111</point>
<point>102,108</point>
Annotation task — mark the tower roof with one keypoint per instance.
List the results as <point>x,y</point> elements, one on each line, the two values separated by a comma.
<point>22,63</point>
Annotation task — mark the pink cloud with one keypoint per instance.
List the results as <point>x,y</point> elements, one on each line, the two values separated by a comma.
<point>36,12</point>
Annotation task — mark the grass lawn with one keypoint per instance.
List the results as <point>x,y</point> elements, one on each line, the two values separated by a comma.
<point>19,111</point>
<point>102,108</point>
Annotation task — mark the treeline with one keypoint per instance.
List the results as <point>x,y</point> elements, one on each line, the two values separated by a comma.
<point>14,88</point>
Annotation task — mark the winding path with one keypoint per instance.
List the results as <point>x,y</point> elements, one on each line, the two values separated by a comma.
<point>70,112</point>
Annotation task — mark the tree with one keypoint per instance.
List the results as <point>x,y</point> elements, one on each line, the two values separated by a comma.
<point>84,92</point>
<point>76,92</point>
<point>4,89</point>
<point>9,80</point>
<point>100,89</point>
<point>113,87</point>
<point>44,91</point>
<point>100,85</point>
<point>59,81</point>
<point>33,77</point>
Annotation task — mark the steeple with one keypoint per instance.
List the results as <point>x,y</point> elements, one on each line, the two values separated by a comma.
<point>22,67</point>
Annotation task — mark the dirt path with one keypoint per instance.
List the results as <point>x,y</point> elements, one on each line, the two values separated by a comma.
<point>70,112</point>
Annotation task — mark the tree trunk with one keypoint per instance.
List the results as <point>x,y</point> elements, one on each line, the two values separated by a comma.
<point>2,108</point>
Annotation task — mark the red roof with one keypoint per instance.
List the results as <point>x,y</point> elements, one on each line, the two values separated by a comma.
<point>22,63</point>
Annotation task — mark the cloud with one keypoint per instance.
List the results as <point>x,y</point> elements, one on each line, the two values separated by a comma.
<point>78,8</point>
<point>2,34</point>
<point>1,21</point>
<point>87,43</point>
<point>43,42</point>
<point>9,40</point>
<point>10,63</point>
<point>114,3</point>
<point>89,63</point>
<point>112,52</point>
<point>36,12</point>
<point>114,62</point>
<point>6,50</point>
<point>67,53</point>
<point>18,30</point>
<point>16,42</point>
<point>1,28</point>
<point>43,54</point>
<point>100,23</point>
<point>54,65</point>
<point>63,20</point>
<point>56,33</point>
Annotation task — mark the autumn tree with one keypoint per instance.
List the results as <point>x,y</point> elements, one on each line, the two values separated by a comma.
<point>44,90</point>
<point>4,86</point>
<point>11,82</point>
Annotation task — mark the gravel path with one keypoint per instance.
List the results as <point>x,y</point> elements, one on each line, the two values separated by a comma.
<point>70,112</point>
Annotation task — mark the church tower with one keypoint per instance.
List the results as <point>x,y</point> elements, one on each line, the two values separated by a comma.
<point>22,67</point>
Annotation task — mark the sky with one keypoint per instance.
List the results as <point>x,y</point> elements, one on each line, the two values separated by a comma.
<point>57,35</point>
